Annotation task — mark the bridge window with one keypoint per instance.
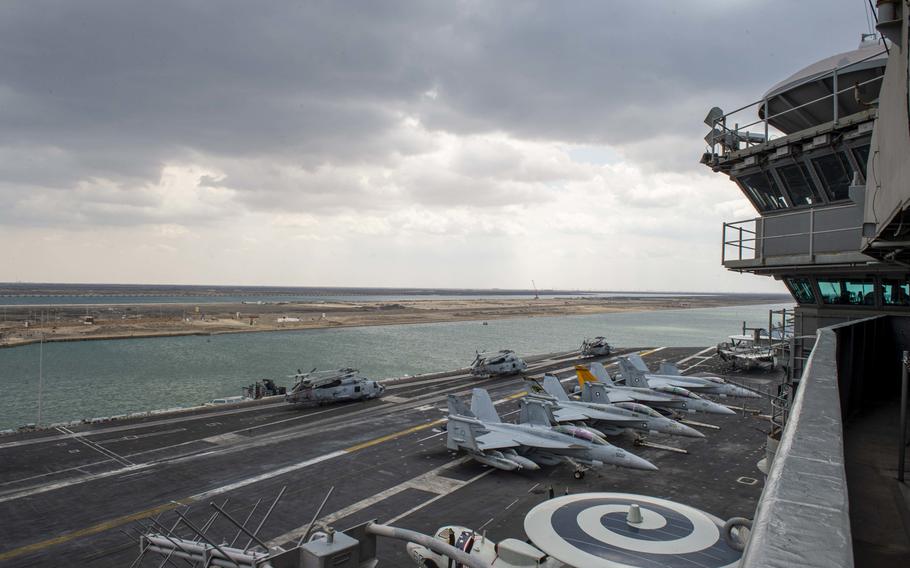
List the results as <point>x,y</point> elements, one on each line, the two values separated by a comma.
<point>802,290</point>
<point>852,292</point>
<point>836,174</point>
<point>764,191</point>
<point>861,153</point>
<point>798,182</point>
<point>896,292</point>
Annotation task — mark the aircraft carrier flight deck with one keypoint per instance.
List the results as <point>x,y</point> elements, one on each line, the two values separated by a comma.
<point>77,495</point>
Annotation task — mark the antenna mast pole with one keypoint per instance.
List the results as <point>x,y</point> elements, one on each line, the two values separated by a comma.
<point>40,376</point>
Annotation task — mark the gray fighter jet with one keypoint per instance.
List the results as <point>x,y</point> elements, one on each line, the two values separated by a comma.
<point>326,387</point>
<point>636,374</point>
<point>616,418</point>
<point>509,447</point>
<point>504,362</point>
<point>598,386</point>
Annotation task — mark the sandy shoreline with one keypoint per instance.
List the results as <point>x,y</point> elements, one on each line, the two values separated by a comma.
<point>68,323</point>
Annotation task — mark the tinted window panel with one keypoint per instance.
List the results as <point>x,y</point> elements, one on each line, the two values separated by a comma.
<point>798,182</point>
<point>836,174</point>
<point>847,292</point>
<point>862,158</point>
<point>764,191</point>
<point>896,293</point>
<point>802,290</point>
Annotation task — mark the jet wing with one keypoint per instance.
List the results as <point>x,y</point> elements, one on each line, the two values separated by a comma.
<point>509,439</point>
<point>642,396</point>
<point>496,440</point>
<point>568,414</point>
<point>682,382</point>
<point>607,416</point>
<point>620,396</point>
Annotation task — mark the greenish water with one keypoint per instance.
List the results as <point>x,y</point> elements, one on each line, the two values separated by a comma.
<point>103,378</point>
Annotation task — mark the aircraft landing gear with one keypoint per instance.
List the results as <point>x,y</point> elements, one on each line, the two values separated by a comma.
<point>579,474</point>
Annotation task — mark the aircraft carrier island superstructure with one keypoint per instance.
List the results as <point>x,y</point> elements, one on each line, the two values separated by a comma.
<point>824,157</point>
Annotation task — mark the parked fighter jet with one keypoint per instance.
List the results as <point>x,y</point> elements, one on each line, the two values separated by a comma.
<point>504,362</point>
<point>597,347</point>
<point>598,386</point>
<point>615,417</point>
<point>666,369</point>
<point>324,387</point>
<point>637,377</point>
<point>515,446</point>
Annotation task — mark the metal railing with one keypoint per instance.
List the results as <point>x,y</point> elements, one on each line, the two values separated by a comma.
<point>739,134</point>
<point>744,239</point>
<point>748,237</point>
<point>807,474</point>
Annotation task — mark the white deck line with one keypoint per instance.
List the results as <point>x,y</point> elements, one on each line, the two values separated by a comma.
<point>699,354</point>
<point>242,483</point>
<point>268,475</point>
<point>438,497</point>
<point>429,481</point>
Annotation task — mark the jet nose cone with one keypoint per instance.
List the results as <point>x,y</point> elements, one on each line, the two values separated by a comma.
<point>721,409</point>
<point>634,462</point>
<point>645,465</point>
<point>689,432</point>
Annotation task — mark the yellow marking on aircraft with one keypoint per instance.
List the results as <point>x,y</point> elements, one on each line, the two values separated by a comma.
<point>585,375</point>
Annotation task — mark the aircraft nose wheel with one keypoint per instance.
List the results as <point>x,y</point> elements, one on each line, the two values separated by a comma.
<point>579,474</point>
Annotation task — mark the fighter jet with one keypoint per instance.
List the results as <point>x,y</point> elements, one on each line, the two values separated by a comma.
<point>509,447</point>
<point>325,387</point>
<point>616,418</point>
<point>636,376</point>
<point>598,386</point>
<point>504,362</point>
<point>597,347</point>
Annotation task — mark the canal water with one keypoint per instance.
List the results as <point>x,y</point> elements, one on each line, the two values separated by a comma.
<point>102,378</point>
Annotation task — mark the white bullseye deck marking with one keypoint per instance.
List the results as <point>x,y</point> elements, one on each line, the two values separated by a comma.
<point>650,520</point>
<point>703,535</point>
<point>573,530</point>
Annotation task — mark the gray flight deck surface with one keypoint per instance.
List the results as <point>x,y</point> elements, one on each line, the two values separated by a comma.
<point>65,500</point>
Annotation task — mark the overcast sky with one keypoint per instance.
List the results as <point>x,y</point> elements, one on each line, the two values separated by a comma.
<point>383,143</point>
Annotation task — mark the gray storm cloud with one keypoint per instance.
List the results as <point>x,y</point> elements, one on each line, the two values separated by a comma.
<point>112,113</point>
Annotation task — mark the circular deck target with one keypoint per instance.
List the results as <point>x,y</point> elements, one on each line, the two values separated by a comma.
<point>590,529</point>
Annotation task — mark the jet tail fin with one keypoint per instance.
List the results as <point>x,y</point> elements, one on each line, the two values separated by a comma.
<point>482,406</point>
<point>460,435</point>
<point>634,376</point>
<point>554,388</point>
<point>584,376</point>
<point>596,392</point>
<point>639,364</point>
<point>535,412</point>
<point>457,407</point>
<point>668,368</point>
<point>599,371</point>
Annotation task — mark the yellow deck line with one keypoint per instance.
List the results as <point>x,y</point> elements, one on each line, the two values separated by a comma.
<point>88,531</point>
<point>120,521</point>
<point>388,437</point>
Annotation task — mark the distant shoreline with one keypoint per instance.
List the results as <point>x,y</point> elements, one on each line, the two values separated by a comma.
<point>138,321</point>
